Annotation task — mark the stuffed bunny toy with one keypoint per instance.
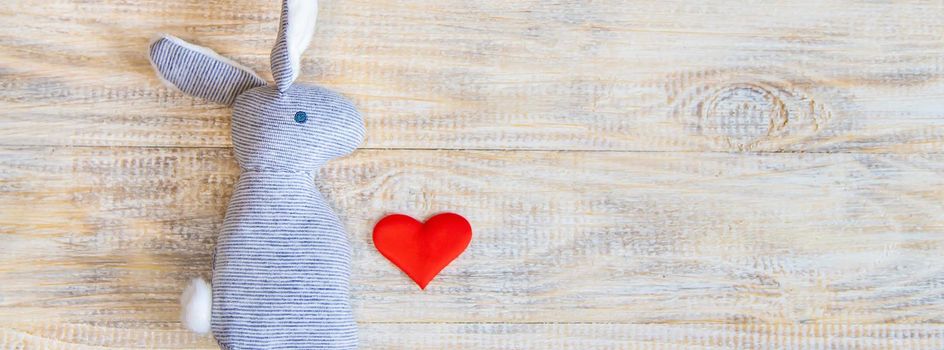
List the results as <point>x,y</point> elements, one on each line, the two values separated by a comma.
<point>281,268</point>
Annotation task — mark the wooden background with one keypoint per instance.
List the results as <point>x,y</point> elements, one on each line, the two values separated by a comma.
<point>639,174</point>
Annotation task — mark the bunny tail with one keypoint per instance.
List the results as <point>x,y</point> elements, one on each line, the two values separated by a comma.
<point>195,304</point>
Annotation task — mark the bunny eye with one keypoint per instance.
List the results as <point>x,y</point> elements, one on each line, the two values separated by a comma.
<point>301,117</point>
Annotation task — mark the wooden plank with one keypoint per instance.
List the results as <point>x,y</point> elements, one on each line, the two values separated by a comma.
<point>423,336</point>
<point>812,75</point>
<point>108,236</point>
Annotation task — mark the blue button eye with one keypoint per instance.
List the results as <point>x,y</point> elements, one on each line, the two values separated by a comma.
<point>301,117</point>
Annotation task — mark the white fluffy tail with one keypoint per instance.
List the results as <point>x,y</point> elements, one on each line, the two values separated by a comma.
<point>196,304</point>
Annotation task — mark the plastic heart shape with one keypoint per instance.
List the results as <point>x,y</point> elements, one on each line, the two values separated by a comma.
<point>422,250</point>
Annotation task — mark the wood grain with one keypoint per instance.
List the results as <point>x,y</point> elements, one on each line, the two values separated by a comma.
<point>815,76</point>
<point>492,336</point>
<point>639,175</point>
<point>109,235</point>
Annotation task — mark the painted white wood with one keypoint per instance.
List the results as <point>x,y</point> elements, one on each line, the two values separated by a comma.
<point>813,75</point>
<point>605,153</point>
<point>500,336</point>
<point>109,236</point>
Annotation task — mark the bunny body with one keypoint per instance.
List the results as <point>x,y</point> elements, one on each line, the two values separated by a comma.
<point>282,264</point>
<point>282,267</point>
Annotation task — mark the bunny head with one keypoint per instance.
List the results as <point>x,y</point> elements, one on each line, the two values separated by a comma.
<point>277,127</point>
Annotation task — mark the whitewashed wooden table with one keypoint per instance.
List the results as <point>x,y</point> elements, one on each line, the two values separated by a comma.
<point>639,174</point>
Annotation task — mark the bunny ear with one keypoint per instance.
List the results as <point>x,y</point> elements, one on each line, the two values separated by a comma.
<point>199,71</point>
<point>296,28</point>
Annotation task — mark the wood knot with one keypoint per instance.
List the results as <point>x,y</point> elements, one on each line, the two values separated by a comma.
<point>746,113</point>
<point>742,113</point>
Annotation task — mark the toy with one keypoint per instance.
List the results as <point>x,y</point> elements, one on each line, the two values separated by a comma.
<point>281,268</point>
<point>422,250</point>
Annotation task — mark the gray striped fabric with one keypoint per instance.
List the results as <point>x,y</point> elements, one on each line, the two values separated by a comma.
<point>281,60</point>
<point>266,136</point>
<point>199,71</point>
<point>296,27</point>
<point>282,265</point>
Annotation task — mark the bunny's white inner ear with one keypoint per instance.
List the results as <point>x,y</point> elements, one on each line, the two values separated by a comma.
<point>296,28</point>
<point>302,17</point>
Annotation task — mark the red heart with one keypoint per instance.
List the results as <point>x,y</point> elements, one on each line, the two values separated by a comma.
<point>421,250</point>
